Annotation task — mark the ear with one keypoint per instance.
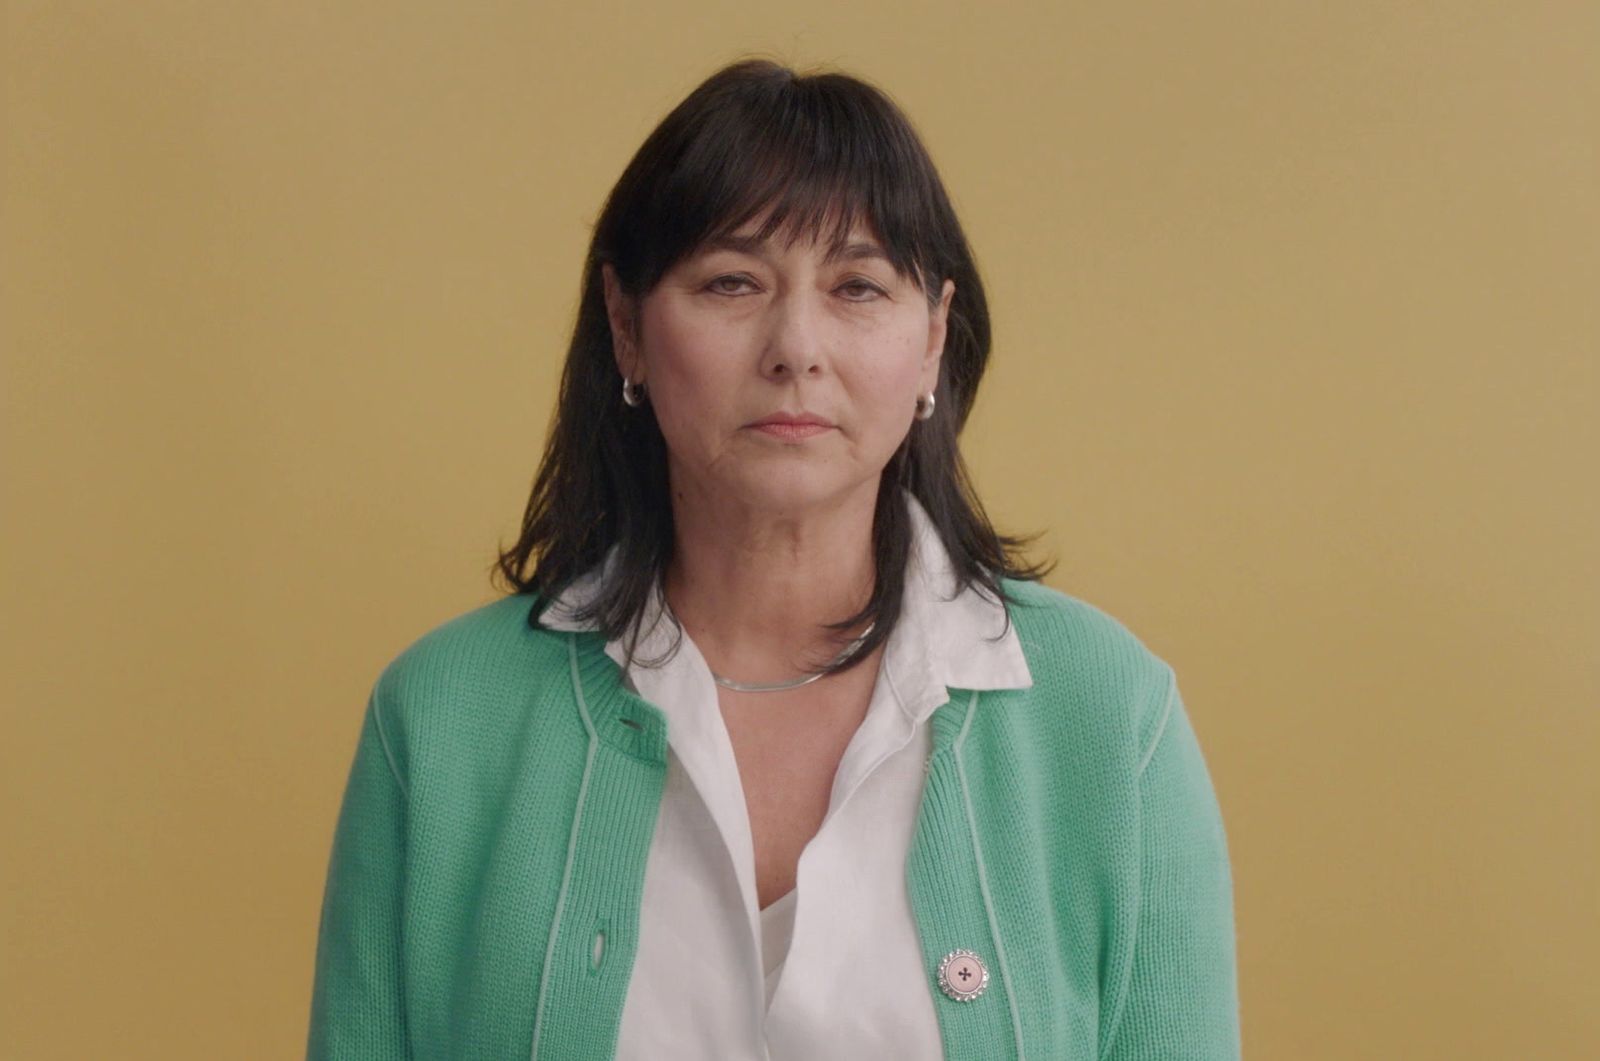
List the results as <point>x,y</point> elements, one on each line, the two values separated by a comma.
<point>938,321</point>
<point>620,314</point>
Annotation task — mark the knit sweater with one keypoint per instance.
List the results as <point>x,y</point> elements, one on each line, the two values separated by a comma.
<point>483,888</point>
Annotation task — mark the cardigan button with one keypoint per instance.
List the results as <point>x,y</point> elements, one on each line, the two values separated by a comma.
<point>962,975</point>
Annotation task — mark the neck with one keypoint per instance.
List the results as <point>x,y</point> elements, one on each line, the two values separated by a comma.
<point>754,588</point>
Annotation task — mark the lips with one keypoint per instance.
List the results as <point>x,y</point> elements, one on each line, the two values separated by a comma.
<point>792,420</point>
<point>792,427</point>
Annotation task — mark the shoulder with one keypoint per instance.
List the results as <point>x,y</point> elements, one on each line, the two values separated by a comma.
<point>487,653</point>
<point>1057,627</point>
<point>1082,656</point>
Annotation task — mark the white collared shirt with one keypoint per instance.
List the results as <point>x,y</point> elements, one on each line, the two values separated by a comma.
<point>834,968</point>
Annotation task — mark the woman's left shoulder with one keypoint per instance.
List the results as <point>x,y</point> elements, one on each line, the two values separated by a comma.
<point>1078,653</point>
<point>1054,622</point>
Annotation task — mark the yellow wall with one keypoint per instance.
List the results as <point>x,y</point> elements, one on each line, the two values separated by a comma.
<point>1296,356</point>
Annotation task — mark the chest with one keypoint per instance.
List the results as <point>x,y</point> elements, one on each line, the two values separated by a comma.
<point>788,752</point>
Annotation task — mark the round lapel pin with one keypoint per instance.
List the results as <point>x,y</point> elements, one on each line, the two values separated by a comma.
<point>962,975</point>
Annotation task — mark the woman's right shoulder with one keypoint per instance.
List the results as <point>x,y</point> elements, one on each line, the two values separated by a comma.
<point>465,701</point>
<point>490,649</point>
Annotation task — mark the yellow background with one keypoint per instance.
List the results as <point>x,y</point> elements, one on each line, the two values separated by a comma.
<point>1295,359</point>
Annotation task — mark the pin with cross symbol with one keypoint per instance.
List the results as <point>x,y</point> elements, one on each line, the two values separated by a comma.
<point>962,975</point>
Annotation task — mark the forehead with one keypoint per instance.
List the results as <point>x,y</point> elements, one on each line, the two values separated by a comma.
<point>775,227</point>
<point>759,237</point>
<point>856,246</point>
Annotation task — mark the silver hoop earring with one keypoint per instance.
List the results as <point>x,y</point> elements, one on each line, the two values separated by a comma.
<point>925,406</point>
<point>632,393</point>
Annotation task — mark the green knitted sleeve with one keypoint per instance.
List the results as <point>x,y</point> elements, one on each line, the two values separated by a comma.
<point>1181,1000</point>
<point>357,1004</point>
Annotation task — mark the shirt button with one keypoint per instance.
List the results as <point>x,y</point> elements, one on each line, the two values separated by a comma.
<point>962,975</point>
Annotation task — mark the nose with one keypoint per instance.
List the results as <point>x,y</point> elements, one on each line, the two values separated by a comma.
<point>797,338</point>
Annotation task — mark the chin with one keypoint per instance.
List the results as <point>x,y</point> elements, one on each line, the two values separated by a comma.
<point>795,489</point>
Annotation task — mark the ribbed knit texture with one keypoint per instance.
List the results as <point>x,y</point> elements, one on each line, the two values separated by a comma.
<point>483,888</point>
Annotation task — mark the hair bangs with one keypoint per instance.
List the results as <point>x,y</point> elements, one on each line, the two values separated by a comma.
<point>810,168</point>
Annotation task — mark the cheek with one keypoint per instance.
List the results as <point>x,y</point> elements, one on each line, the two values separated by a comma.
<point>890,377</point>
<point>693,374</point>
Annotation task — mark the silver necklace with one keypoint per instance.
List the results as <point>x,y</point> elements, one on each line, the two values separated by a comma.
<point>757,687</point>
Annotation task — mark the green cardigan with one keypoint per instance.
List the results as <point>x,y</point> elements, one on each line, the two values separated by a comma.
<point>505,788</point>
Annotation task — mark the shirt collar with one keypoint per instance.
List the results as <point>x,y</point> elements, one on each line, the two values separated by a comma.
<point>943,638</point>
<point>957,628</point>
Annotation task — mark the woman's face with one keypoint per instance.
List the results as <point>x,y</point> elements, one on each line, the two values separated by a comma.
<point>739,332</point>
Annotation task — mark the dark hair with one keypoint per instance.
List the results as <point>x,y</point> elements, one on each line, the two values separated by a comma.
<point>753,136</point>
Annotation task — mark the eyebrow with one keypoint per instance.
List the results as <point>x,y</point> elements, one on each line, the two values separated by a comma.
<point>757,247</point>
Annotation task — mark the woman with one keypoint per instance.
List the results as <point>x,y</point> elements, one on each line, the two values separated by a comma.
<point>776,751</point>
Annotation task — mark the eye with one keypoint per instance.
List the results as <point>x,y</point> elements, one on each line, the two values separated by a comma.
<point>866,291</point>
<point>733,278</point>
